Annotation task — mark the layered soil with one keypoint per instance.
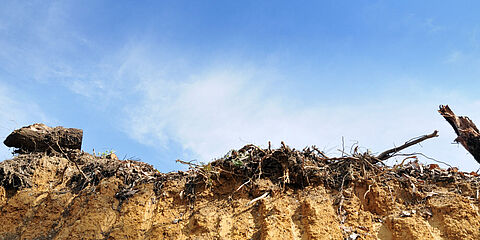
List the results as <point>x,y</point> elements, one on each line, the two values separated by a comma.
<point>250,193</point>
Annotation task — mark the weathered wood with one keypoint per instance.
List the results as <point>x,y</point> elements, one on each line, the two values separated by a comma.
<point>391,152</point>
<point>468,134</point>
<point>41,138</point>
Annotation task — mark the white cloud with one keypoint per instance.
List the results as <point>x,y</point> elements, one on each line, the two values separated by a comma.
<point>209,109</point>
<point>225,108</point>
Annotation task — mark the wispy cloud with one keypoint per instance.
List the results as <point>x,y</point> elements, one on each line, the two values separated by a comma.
<point>226,106</point>
<point>210,106</point>
<point>432,26</point>
<point>455,56</point>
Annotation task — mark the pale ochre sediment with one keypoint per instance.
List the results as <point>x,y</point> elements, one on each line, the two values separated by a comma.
<point>49,209</point>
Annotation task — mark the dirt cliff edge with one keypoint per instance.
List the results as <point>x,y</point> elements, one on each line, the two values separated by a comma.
<point>250,193</point>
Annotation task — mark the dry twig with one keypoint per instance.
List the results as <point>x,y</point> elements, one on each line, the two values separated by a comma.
<point>391,152</point>
<point>258,198</point>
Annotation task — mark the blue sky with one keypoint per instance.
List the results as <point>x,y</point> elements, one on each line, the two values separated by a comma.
<point>163,80</point>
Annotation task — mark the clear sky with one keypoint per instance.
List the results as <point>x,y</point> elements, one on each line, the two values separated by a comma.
<point>162,80</point>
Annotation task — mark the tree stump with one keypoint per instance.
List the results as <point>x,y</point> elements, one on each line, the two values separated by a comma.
<point>41,138</point>
<point>467,132</point>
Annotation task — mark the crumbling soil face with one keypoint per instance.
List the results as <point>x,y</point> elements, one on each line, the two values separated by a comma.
<point>250,193</point>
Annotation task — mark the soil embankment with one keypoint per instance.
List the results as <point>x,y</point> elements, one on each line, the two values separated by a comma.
<point>251,193</point>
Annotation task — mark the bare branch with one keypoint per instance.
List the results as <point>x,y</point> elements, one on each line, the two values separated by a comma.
<point>391,152</point>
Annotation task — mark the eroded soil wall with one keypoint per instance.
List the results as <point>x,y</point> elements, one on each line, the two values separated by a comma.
<point>50,209</point>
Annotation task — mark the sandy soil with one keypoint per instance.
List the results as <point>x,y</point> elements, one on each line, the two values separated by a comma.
<point>47,203</point>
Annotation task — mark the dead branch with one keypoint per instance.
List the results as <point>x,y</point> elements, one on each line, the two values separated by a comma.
<point>76,165</point>
<point>245,183</point>
<point>258,198</point>
<point>190,163</point>
<point>425,156</point>
<point>319,152</point>
<point>468,134</point>
<point>391,152</point>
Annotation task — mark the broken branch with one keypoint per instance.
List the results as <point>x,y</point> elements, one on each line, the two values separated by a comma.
<point>468,134</point>
<point>391,152</point>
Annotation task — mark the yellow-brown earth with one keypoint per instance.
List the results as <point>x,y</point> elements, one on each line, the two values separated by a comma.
<point>53,206</point>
